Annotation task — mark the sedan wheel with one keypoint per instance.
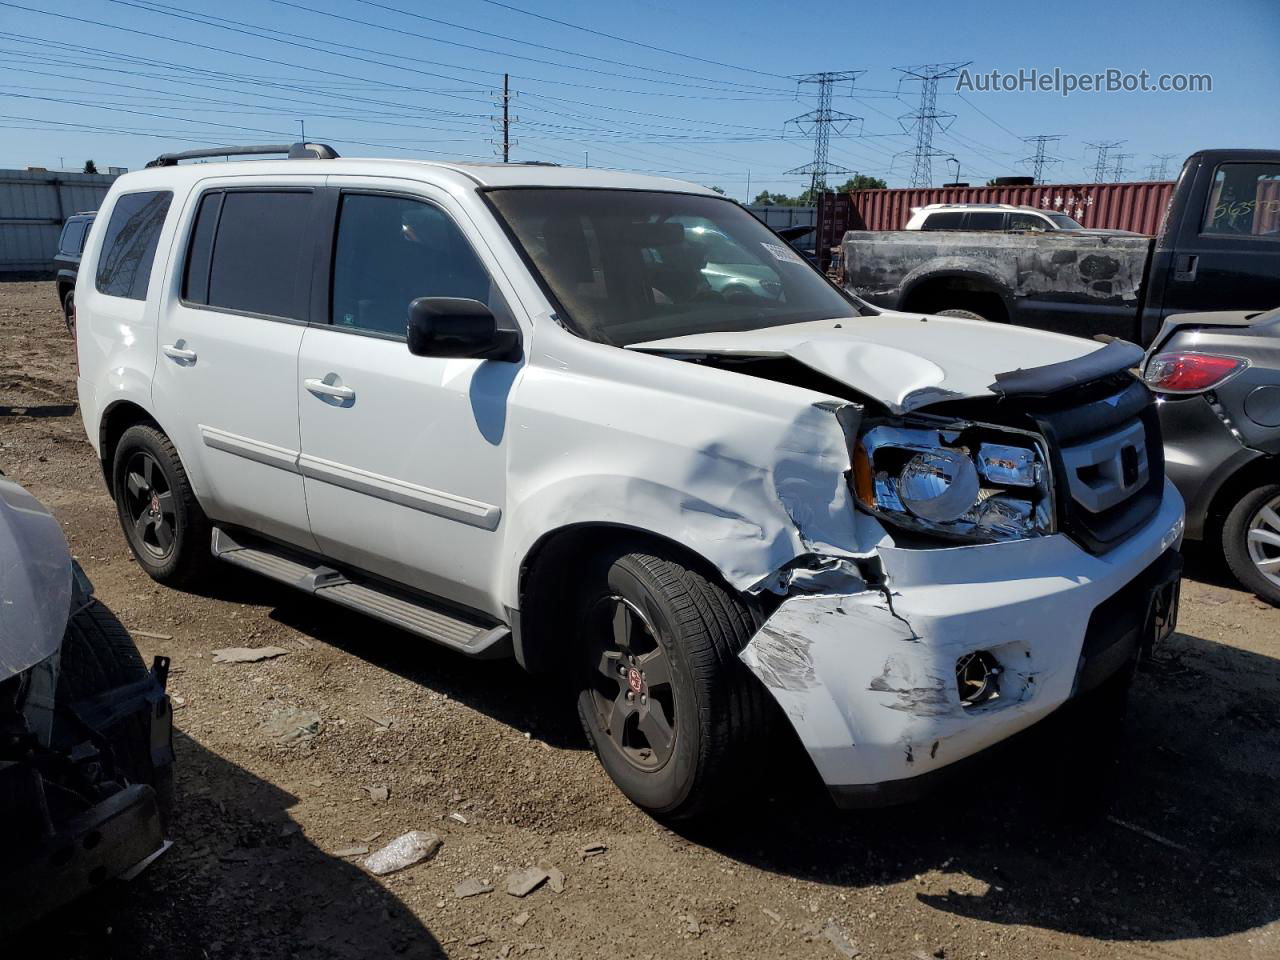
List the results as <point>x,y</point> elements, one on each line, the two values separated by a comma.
<point>1251,541</point>
<point>1264,541</point>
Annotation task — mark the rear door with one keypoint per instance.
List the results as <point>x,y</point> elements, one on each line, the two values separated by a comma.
<point>1227,254</point>
<point>230,330</point>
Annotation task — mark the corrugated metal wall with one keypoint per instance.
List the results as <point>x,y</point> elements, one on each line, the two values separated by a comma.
<point>33,207</point>
<point>1117,206</point>
<point>778,217</point>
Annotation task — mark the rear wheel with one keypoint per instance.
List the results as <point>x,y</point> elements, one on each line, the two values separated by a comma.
<point>166,529</point>
<point>69,310</point>
<point>1251,541</point>
<point>664,700</point>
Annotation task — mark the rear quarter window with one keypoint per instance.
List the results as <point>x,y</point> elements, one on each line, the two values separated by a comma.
<point>129,244</point>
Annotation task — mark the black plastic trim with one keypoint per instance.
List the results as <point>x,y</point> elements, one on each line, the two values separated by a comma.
<point>1116,356</point>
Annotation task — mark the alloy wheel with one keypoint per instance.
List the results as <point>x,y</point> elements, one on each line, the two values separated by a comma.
<point>149,506</point>
<point>1264,540</point>
<point>630,683</point>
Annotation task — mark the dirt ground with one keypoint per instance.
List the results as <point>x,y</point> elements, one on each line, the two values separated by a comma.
<point>1183,865</point>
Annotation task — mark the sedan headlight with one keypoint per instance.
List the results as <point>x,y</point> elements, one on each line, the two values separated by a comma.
<point>969,481</point>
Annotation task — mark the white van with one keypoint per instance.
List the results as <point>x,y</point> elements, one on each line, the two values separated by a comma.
<point>517,409</point>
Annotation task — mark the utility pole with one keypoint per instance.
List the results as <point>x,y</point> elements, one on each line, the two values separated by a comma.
<point>1160,169</point>
<point>1100,166</point>
<point>303,124</point>
<point>506,120</point>
<point>819,123</point>
<point>1041,159</point>
<point>748,186</point>
<point>1119,171</point>
<point>927,118</point>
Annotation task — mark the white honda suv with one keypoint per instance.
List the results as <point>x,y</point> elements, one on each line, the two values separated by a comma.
<point>503,408</point>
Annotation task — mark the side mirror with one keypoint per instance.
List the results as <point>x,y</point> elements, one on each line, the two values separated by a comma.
<point>454,327</point>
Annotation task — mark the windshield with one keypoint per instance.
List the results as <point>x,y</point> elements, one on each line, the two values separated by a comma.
<point>1064,222</point>
<point>628,266</point>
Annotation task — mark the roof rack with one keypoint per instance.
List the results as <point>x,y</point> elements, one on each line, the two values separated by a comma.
<point>295,151</point>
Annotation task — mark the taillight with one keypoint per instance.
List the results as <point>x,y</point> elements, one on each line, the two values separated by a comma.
<point>1190,372</point>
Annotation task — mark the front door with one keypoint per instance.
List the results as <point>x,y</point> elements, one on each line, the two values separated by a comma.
<point>227,371</point>
<point>403,457</point>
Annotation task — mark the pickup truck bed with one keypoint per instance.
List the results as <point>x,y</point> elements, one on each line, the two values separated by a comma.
<point>1073,282</point>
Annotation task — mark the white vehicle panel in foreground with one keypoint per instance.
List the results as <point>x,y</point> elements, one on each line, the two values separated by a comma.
<point>35,581</point>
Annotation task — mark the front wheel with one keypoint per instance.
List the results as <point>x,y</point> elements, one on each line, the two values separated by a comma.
<point>1251,541</point>
<point>166,529</point>
<point>69,311</point>
<point>670,710</point>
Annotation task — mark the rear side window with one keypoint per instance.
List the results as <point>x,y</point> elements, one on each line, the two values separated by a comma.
<point>250,252</point>
<point>943,221</point>
<point>984,221</point>
<point>1027,221</point>
<point>1244,200</point>
<point>72,238</point>
<point>129,246</point>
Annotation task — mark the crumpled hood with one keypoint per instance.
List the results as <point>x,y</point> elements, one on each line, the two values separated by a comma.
<point>35,581</point>
<point>902,360</point>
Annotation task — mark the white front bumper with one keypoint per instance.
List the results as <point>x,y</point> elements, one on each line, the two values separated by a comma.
<point>868,680</point>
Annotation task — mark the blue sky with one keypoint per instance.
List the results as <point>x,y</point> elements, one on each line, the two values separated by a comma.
<point>701,91</point>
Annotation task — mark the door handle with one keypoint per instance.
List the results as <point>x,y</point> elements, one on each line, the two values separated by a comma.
<point>1184,267</point>
<point>322,389</point>
<point>179,353</point>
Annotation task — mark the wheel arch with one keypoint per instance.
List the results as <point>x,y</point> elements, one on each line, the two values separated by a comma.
<point>118,417</point>
<point>543,587</point>
<point>933,289</point>
<point>1253,473</point>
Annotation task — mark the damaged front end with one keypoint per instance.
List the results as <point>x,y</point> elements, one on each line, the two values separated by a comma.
<point>1024,552</point>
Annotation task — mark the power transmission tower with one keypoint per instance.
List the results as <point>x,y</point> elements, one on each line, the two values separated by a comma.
<point>820,122</point>
<point>1041,158</point>
<point>927,117</point>
<point>505,121</point>
<point>1119,170</point>
<point>1160,169</point>
<point>1100,166</point>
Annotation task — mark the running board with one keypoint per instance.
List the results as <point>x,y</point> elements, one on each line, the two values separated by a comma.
<point>434,622</point>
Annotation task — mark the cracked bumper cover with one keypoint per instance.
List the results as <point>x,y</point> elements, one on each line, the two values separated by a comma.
<point>870,687</point>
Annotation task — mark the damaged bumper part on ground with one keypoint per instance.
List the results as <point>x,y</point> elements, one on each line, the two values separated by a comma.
<point>886,687</point>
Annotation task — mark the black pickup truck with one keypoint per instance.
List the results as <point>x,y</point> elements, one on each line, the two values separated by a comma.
<point>66,262</point>
<point>1218,249</point>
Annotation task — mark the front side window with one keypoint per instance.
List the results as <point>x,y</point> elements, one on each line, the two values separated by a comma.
<point>1027,221</point>
<point>129,245</point>
<point>1244,200</point>
<point>392,250</point>
<point>626,266</point>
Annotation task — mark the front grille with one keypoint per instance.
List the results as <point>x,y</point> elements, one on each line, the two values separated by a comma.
<point>1108,458</point>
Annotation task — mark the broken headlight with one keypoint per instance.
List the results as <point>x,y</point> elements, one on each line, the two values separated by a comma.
<point>970,481</point>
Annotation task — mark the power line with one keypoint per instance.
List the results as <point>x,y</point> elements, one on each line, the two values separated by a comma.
<point>1100,163</point>
<point>637,43</point>
<point>927,118</point>
<point>1041,159</point>
<point>819,122</point>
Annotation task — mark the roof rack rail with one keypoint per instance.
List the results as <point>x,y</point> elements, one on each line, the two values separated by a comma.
<point>294,151</point>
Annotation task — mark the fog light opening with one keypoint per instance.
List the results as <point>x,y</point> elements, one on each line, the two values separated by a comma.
<point>978,678</point>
